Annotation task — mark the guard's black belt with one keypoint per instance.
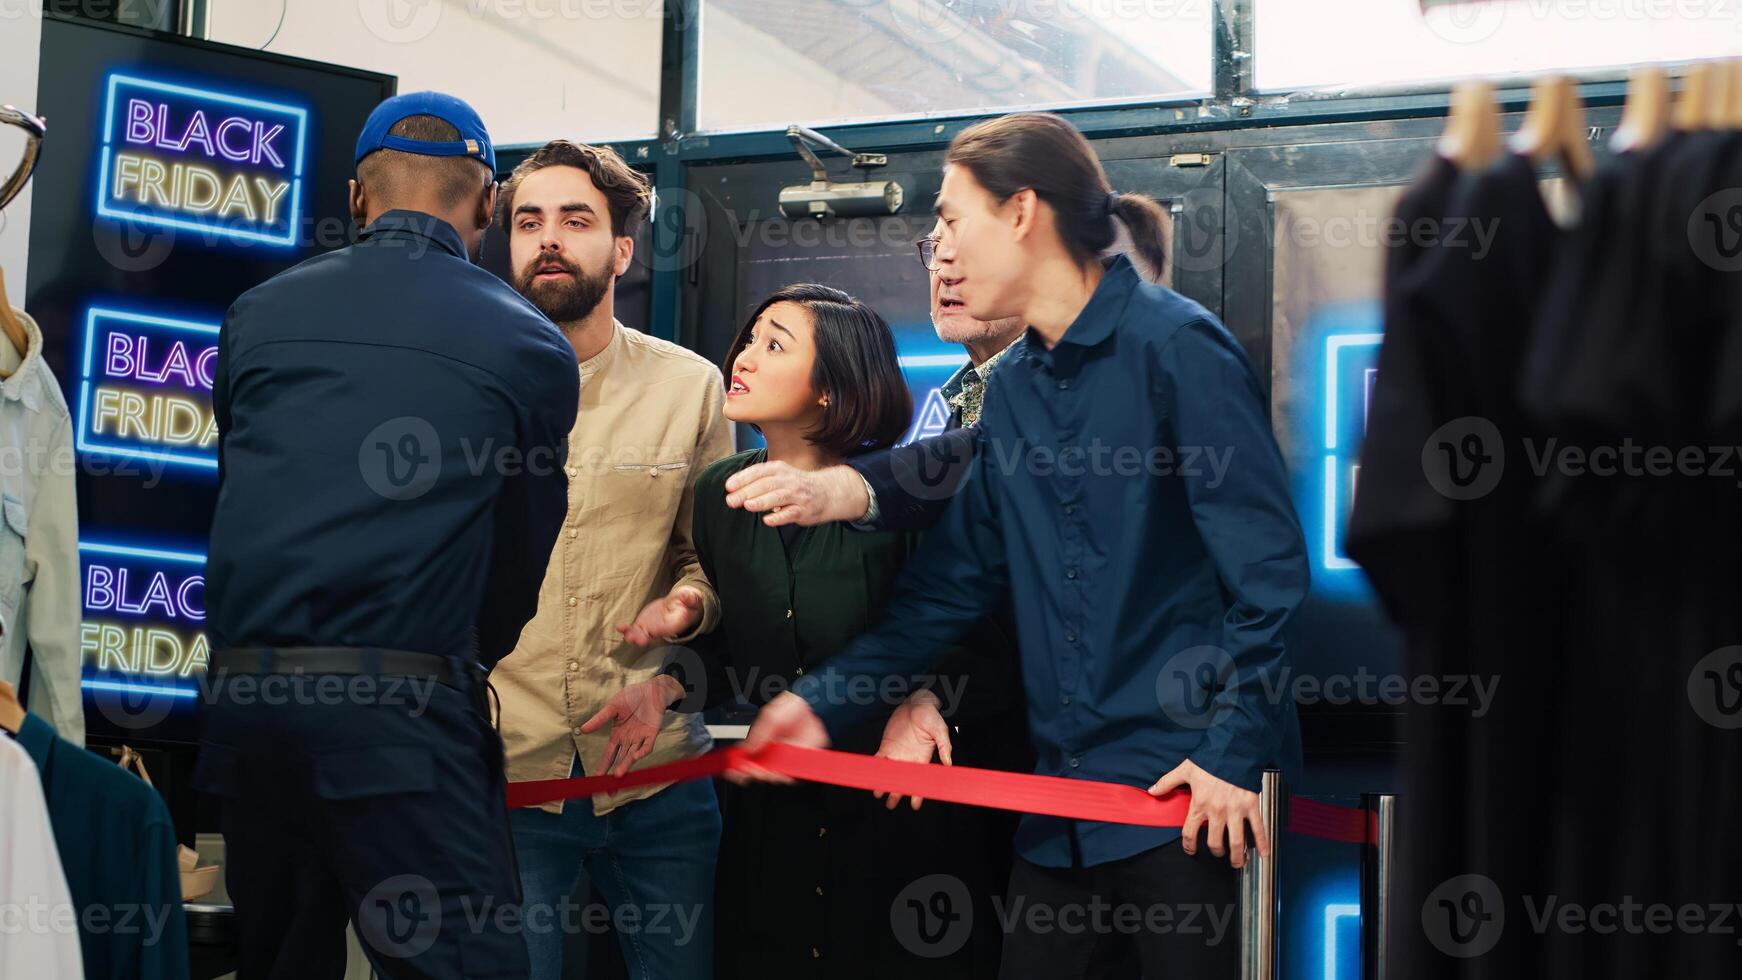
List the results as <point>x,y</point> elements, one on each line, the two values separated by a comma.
<point>344,660</point>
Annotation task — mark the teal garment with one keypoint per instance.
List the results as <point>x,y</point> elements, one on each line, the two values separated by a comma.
<point>117,848</point>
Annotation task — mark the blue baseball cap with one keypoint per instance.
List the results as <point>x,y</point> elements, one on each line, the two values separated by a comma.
<point>474,142</point>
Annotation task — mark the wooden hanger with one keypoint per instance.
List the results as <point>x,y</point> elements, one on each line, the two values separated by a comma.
<point>1729,113</point>
<point>1693,105</point>
<point>1472,135</point>
<point>1554,128</point>
<point>11,712</point>
<point>9,325</point>
<point>1645,118</point>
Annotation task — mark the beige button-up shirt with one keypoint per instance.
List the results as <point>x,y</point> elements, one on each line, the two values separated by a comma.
<point>650,419</point>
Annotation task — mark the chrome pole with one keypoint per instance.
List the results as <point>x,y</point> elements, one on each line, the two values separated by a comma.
<point>1259,897</point>
<point>1376,868</point>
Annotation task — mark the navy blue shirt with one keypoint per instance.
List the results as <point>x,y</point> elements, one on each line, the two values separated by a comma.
<point>1128,496</point>
<point>393,427</point>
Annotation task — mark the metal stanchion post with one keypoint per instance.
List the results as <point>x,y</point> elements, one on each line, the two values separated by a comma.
<point>1259,898</point>
<point>1376,865</point>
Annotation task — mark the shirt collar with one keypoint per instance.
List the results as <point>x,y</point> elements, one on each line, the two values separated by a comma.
<point>600,361</point>
<point>399,224</point>
<point>35,736</point>
<point>981,372</point>
<point>1094,325</point>
<point>25,383</point>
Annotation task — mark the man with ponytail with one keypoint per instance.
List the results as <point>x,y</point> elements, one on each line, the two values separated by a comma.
<point>1127,498</point>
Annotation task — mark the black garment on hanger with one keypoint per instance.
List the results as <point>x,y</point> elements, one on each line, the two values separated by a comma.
<point>1444,528</point>
<point>1638,316</point>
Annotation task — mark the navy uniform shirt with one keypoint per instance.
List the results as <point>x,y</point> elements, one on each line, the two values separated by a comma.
<point>393,428</point>
<point>1127,494</point>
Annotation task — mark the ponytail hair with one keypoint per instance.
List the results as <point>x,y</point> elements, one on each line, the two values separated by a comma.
<point>1046,154</point>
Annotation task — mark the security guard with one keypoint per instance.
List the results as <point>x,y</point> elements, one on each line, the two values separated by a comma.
<point>393,424</point>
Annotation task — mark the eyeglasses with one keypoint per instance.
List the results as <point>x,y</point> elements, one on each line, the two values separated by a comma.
<point>928,249</point>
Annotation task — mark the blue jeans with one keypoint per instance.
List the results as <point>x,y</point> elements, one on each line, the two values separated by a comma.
<point>652,859</point>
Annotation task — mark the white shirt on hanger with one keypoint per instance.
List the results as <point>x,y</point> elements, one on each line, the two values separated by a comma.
<point>39,933</point>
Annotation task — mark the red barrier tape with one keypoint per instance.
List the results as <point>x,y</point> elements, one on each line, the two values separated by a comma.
<point>1052,796</point>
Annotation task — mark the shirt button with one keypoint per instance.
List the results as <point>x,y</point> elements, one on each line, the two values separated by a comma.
<point>816,954</point>
<point>1070,637</point>
<point>819,889</point>
<point>801,672</point>
<point>574,665</point>
<point>570,470</point>
<point>1063,385</point>
<point>573,600</point>
<point>577,731</point>
<point>1070,509</point>
<point>789,614</point>
<point>1072,574</point>
<point>1065,700</point>
<point>821,831</point>
<point>573,532</point>
<point>1076,763</point>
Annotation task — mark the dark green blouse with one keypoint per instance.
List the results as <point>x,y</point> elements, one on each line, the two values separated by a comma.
<point>783,616</point>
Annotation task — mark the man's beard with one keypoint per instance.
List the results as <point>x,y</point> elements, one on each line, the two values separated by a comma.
<point>563,300</point>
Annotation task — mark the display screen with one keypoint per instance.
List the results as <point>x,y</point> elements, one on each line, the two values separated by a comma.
<point>873,259</point>
<point>176,175</point>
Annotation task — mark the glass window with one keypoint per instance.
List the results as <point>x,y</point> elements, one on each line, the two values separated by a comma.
<point>1379,42</point>
<point>534,69</point>
<point>768,63</point>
